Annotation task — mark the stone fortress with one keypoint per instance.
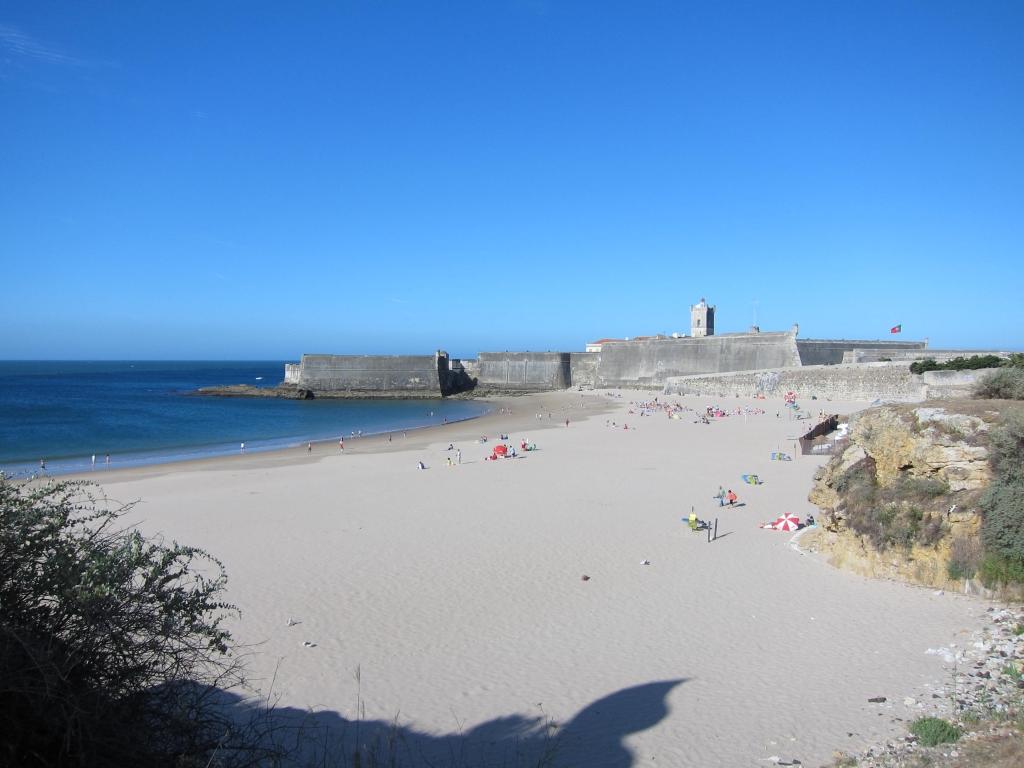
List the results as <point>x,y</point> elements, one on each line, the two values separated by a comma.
<point>702,363</point>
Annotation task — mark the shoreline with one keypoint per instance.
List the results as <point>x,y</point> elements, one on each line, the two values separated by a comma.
<point>502,413</point>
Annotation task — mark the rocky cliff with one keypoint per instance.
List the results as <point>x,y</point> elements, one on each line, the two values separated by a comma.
<point>900,500</point>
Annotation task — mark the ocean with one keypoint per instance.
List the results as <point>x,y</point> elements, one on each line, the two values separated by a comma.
<point>64,412</point>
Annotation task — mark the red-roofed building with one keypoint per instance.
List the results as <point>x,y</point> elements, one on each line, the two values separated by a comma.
<point>595,346</point>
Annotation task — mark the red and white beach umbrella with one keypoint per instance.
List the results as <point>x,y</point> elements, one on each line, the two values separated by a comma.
<point>787,522</point>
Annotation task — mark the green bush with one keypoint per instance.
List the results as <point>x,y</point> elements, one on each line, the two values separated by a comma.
<point>920,366</point>
<point>1004,384</point>
<point>1002,529</point>
<point>996,570</point>
<point>972,363</point>
<point>1006,448</point>
<point>111,645</point>
<point>1002,504</point>
<point>931,731</point>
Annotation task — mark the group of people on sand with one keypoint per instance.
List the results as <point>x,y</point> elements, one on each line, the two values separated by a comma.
<point>501,450</point>
<point>609,423</point>
<point>726,497</point>
<point>655,406</point>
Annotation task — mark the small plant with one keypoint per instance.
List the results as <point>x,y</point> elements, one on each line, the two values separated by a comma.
<point>931,731</point>
<point>1018,630</point>
<point>964,557</point>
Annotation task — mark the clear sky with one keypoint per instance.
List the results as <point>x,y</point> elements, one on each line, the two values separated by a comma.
<point>255,180</point>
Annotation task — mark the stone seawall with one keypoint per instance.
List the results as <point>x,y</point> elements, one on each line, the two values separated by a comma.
<point>373,374</point>
<point>523,370</point>
<point>862,381</point>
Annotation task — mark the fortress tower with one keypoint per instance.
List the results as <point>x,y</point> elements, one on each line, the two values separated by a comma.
<point>702,319</point>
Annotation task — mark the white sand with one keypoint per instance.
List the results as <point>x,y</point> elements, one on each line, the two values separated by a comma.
<point>457,592</point>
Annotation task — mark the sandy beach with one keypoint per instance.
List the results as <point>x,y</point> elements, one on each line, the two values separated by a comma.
<point>452,602</point>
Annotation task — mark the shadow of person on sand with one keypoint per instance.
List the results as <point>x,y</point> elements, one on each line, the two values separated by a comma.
<point>594,737</point>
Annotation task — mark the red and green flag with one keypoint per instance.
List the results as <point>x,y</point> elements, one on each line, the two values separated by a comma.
<point>896,328</point>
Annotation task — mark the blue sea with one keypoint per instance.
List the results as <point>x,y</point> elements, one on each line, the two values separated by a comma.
<point>140,413</point>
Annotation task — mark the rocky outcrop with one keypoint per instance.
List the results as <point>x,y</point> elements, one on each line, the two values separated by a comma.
<point>247,390</point>
<point>924,442</point>
<point>900,500</point>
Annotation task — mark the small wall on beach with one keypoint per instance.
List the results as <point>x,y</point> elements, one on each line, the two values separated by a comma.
<point>947,385</point>
<point>652,362</point>
<point>862,381</point>
<point>910,355</point>
<point>524,370</point>
<point>373,373</point>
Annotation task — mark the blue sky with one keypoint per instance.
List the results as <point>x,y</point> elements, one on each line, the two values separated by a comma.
<point>256,180</point>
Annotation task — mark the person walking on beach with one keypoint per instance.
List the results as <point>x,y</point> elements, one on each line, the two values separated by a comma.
<point>309,447</point>
<point>42,465</point>
<point>241,448</point>
<point>458,455</point>
<point>341,444</point>
<point>731,497</point>
<point>106,459</point>
<point>94,461</point>
<point>567,422</point>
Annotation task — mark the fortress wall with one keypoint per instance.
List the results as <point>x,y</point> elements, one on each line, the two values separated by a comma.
<point>830,351</point>
<point>583,368</point>
<point>372,373</point>
<point>863,381</point>
<point>651,363</point>
<point>524,370</point>
<point>292,373</point>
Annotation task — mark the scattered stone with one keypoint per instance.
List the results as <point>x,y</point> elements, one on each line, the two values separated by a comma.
<point>877,700</point>
<point>978,687</point>
<point>584,577</point>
